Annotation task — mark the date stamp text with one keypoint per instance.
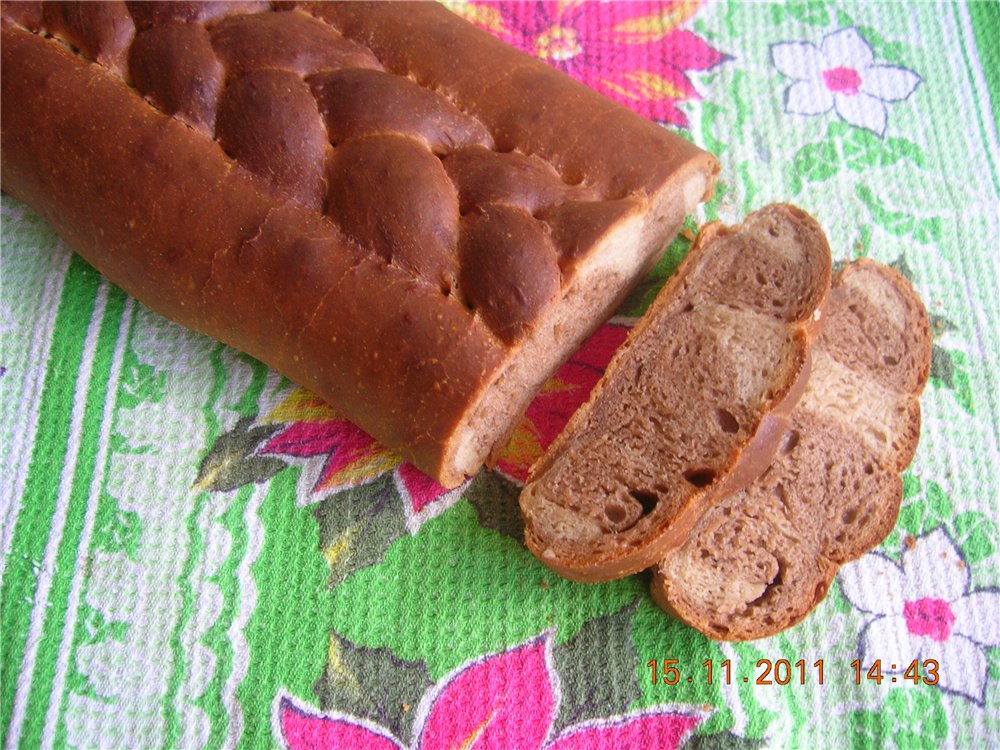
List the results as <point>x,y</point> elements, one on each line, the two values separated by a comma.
<point>785,671</point>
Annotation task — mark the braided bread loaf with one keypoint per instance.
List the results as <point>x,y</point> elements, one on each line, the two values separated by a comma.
<point>364,197</point>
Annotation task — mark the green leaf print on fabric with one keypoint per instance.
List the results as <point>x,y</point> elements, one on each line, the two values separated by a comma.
<point>912,718</point>
<point>722,741</point>
<point>467,576</point>
<point>926,230</point>
<point>116,530</point>
<point>857,150</point>
<point>372,684</point>
<point>358,525</point>
<point>597,669</point>
<point>926,506</point>
<point>494,497</point>
<point>230,463</point>
<point>948,371</point>
<point>892,52</point>
<point>814,162</point>
<point>92,628</point>
<point>993,662</point>
<point>658,636</point>
<point>140,382</point>
<point>976,535</point>
<point>933,509</point>
<point>813,12</point>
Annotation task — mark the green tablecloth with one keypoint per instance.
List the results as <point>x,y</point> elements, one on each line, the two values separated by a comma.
<point>196,553</point>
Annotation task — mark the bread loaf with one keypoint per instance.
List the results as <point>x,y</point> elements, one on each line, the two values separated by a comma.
<point>760,560</point>
<point>692,406</point>
<point>362,196</point>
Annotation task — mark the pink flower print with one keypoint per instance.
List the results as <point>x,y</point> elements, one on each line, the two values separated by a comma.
<point>496,702</point>
<point>841,74</point>
<point>336,455</point>
<point>842,80</point>
<point>930,617</point>
<point>923,609</point>
<point>651,730</point>
<point>503,700</point>
<point>633,52</point>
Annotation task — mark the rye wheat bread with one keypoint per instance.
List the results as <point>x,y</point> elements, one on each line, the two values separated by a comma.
<point>693,405</point>
<point>358,194</point>
<point>760,560</point>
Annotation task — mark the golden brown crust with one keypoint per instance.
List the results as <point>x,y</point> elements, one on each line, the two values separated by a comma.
<point>294,182</point>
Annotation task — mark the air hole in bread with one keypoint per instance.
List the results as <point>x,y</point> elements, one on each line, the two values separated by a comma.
<point>773,231</point>
<point>760,278</point>
<point>700,477</point>
<point>890,360</point>
<point>848,516</point>
<point>615,513</point>
<point>687,308</point>
<point>790,441</point>
<point>869,469</point>
<point>646,499</point>
<point>727,421</point>
<point>879,435</point>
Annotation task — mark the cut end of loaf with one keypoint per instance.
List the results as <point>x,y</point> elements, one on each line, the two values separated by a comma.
<point>678,411</point>
<point>762,559</point>
<point>616,264</point>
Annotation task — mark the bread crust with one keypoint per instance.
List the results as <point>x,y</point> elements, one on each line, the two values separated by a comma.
<point>613,553</point>
<point>185,151</point>
<point>834,490</point>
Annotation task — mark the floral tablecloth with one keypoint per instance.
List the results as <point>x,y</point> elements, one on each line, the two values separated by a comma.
<point>197,553</point>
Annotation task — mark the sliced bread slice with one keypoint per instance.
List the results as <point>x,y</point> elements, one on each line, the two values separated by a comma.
<point>760,560</point>
<point>692,406</point>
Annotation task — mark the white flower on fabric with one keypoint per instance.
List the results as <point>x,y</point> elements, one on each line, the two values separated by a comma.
<point>924,610</point>
<point>841,74</point>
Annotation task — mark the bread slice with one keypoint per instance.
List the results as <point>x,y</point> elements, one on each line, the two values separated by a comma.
<point>691,408</point>
<point>760,560</point>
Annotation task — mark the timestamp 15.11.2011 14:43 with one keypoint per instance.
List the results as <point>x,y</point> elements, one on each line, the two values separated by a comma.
<point>784,671</point>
